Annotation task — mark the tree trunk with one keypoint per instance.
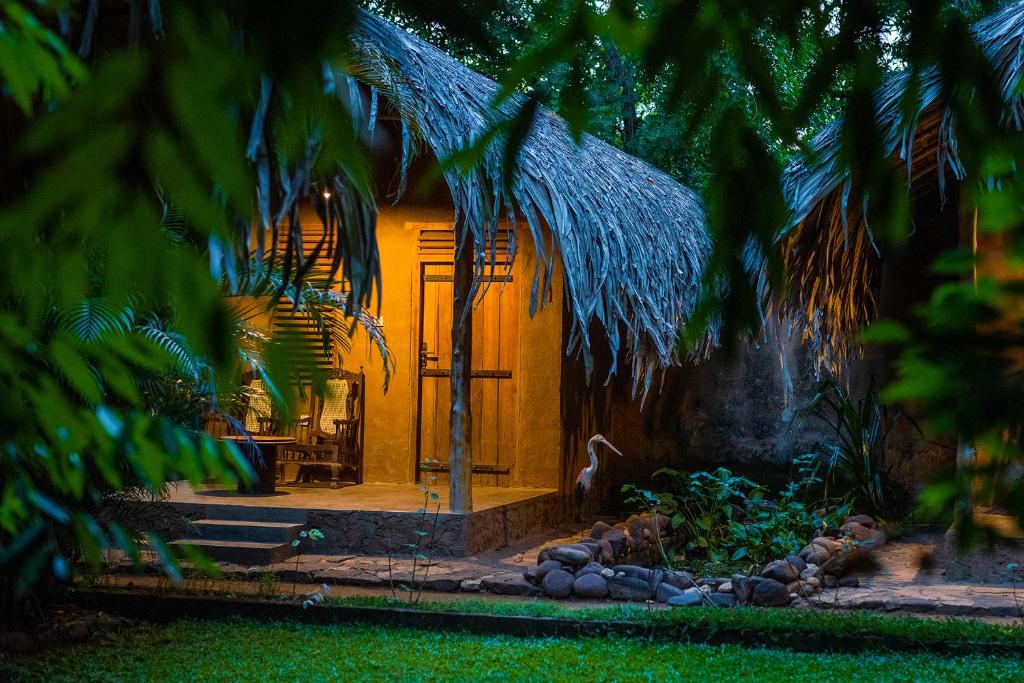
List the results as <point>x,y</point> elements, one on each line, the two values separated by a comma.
<point>622,76</point>
<point>460,457</point>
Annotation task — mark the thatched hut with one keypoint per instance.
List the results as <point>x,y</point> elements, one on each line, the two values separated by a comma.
<point>834,263</point>
<point>584,250</point>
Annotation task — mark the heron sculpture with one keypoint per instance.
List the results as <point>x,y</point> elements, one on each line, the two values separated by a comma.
<point>586,476</point>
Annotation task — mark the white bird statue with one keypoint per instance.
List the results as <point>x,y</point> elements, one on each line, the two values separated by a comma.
<point>586,476</point>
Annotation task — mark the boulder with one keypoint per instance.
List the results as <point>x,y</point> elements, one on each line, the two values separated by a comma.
<point>809,587</point>
<point>857,532</point>
<point>616,540</point>
<point>797,562</point>
<point>679,579</point>
<point>666,591</point>
<point>815,554</point>
<point>589,568</point>
<point>558,584</point>
<point>863,520</point>
<point>629,588</point>
<point>723,599</point>
<point>599,529</point>
<point>691,597</point>
<point>848,581</point>
<point>542,556</point>
<point>725,587</point>
<point>633,571</point>
<point>607,573</point>
<point>664,524</point>
<point>812,570</point>
<point>606,553</point>
<point>743,587</point>
<point>831,545</point>
<point>544,567</point>
<point>576,557</point>
<point>850,558</point>
<point>781,571</point>
<point>530,574</point>
<point>509,584</point>
<point>770,593</point>
<point>830,581</point>
<point>657,575</point>
<point>712,581</point>
<point>590,586</point>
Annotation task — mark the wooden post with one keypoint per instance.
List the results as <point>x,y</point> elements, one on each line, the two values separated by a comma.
<point>460,455</point>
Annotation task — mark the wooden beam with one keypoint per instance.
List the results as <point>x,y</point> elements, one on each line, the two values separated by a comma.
<point>460,455</point>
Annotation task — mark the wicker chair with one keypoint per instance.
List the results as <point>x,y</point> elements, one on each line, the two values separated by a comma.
<point>335,431</point>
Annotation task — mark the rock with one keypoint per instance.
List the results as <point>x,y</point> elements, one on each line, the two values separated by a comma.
<point>607,573</point>
<point>725,587</point>
<point>857,532</point>
<point>590,586</point>
<point>542,569</point>
<point>830,545</point>
<point>793,586</point>
<point>781,571</point>
<point>664,524</point>
<point>679,579</point>
<point>509,584</point>
<point>849,581</point>
<point>743,587</point>
<point>863,520</point>
<point>558,584</point>
<point>846,561</point>
<point>809,587</point>
<point>636,525</point>
<point>812,570</point>
<point>599,529</point>
<point>723,599</point>
<point>666,591</point>
<point>606,553</point>
<point>713,581</point>
<point>633,571</point>
<point>470,585</point>
<point>542,556</point>
<point>797,562</point>
<point>632,542</point>
<point>800,603</point>
<point>590,568</point>
<point>569,555</point>
<point>530,574</point>
<point>815,554</point>
<point>830,581</point>
<point>616,539</point>
<point>691,597</point>
<point>629,588</point>
<point>770,593</point>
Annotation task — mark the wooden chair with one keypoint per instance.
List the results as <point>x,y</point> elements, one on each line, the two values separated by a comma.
<point>335,430</point>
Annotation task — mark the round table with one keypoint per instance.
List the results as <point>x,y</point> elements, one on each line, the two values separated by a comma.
<point>265,482</point>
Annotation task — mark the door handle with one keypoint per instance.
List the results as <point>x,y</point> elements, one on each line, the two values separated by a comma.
<point>426,356</point>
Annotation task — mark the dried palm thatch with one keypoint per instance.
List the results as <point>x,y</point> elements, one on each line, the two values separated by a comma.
<point>829,253</point>
<point>632,241</point>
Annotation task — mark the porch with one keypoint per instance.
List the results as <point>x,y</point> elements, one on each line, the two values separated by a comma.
<point>376,518</point>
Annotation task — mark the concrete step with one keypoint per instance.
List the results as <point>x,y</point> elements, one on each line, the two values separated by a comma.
<point>241,552</point>
<point>257,513</point>
<point>241,530</point>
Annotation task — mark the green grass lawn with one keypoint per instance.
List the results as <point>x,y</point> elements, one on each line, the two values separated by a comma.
<point>233,650</point>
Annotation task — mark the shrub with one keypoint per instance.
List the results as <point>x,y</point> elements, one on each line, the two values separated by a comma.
<point>727,519</point>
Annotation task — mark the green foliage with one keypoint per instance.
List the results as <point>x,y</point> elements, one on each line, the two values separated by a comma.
<point>728,519</point>
<point>856,453</point>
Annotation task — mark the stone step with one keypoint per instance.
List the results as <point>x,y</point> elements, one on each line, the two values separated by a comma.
<point>241,530</point>
<point>241,552</point>
<point>257,513</point>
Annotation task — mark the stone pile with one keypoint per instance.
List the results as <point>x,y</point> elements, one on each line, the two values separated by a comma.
<point>598,567</point>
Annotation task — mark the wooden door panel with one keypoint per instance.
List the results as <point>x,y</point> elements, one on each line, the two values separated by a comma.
<point>493,385</point>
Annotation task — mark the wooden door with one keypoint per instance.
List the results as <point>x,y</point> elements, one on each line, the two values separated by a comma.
<point>493,383</point>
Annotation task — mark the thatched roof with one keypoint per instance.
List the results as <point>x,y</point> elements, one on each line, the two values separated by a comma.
<point>631,240</point>
<point>829,253</point>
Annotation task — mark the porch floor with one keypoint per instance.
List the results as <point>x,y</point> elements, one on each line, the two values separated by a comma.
<point>362,497</point>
